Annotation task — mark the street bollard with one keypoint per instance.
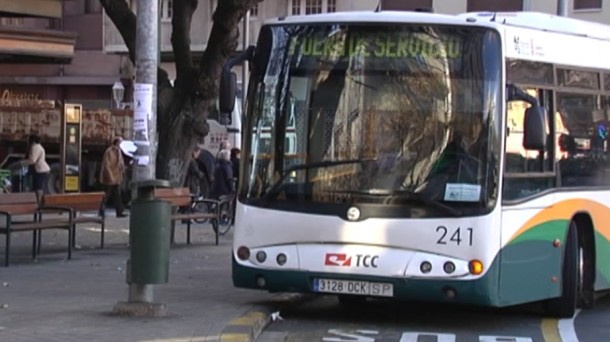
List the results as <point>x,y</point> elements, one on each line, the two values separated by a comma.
<point>149,235</point>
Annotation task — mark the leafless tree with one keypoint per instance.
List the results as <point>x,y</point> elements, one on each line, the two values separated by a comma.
<point>182,109</point>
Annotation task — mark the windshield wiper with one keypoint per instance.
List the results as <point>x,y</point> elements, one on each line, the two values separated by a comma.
<point>406,195</point>
<point>273,190</point>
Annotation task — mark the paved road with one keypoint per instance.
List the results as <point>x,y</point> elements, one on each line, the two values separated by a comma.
<point>324,319</point>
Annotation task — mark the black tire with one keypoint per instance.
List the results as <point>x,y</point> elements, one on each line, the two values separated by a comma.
<point>226,218</point>
<point>205,187</point>
<point>351,300</point>
<point>565,305</point>
<point>201,207</point>
<point>586,299</point>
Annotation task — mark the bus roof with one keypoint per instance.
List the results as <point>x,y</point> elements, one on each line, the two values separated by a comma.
<point>531,20</point>
<point>533,36</point>
<point>547,38</point>
<point>545,22</point>
<point>396,17</point>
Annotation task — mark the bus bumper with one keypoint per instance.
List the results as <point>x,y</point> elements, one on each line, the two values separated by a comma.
<point>482,291</point>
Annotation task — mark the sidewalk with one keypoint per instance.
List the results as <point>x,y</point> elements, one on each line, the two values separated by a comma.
<point>54,299</point>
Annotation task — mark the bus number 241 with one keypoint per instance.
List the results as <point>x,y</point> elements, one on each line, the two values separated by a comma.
<point>457,236</point>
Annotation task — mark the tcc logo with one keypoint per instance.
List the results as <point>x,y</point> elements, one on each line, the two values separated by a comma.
<point>342,259</point>
<point>337,259</point>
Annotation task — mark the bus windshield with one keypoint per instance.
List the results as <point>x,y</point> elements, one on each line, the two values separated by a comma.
<point>397,115</point>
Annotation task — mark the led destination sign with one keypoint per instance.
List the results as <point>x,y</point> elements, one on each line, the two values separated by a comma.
<point>380,44</point>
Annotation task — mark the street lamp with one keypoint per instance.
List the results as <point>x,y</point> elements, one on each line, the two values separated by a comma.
<point>118,92</point>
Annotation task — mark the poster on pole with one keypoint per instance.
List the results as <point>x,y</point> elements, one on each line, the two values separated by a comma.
<point>142,104</point>
<point>142,112</point>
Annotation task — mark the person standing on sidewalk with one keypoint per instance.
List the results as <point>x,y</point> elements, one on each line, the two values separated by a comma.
<point>36,158</point>
<point>223,176</point>
<point>111,176</point>
<point>224,145</point>
<point>193,174</point>
<point>235,156</point>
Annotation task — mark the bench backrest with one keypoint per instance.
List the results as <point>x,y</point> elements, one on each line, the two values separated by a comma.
<point>178,197</point>
<point>19,203</point>
<point>84,201</point>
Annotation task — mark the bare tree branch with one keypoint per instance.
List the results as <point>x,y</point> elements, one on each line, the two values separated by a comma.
<point>181,41</point>
<point>222,43</point>
<point>125,21</point>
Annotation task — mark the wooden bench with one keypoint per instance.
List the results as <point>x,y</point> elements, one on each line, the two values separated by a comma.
<point>181,197</point>
<point>14,204</point>
<point>82,203</point>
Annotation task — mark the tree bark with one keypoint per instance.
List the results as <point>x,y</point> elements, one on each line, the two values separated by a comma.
<point>193,98</point>
<point>183,109</point>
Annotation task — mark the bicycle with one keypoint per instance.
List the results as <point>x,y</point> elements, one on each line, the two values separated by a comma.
<point>225,221</point>
<point>225,203</point>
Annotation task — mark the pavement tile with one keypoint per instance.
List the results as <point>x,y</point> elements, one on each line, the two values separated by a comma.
<point>54,299</point>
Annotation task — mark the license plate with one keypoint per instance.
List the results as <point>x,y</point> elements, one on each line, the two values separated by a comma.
<point>355,287</point>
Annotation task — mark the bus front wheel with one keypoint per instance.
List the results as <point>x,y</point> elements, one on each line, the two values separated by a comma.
<point>565,305</point>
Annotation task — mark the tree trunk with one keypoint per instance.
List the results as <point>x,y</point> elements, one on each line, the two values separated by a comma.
<point>177,138</point>
<point>182,110</point>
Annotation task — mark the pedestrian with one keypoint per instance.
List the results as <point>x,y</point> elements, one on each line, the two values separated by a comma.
<point>193,179</point>
<point>111,175</point>
<point>224,145</point>
<point>235,156</point>
<point>223,175</point>
<point>36,158</point>
<point>193,174</point>
<point>207,163</point>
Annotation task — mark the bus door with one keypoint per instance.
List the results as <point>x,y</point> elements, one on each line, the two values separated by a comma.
<point>529,177</point>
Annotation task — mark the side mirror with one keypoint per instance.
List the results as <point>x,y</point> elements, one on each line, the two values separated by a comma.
<point>534,128</point>
<point>228,88</point>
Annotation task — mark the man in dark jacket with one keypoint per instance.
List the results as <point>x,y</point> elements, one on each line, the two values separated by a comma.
<point>207,164</point>
<point>235,152</point>
<point>194,174</point>
<point>223,175</point>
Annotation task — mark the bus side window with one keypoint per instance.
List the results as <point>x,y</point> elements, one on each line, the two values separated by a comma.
<point>526,171</point>
<point>582,139</point>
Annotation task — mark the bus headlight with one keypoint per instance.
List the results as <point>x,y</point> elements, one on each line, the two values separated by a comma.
<point>261,256</point>
<point>449,267</point>
<point>281,259</point>
<point>261,281</point>
<point>425,267</point>
<point>243,253</point>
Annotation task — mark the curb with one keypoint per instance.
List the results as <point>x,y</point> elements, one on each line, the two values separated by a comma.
<point>247,327</point>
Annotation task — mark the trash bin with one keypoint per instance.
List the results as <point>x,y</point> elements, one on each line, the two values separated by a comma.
<point>149,234</point>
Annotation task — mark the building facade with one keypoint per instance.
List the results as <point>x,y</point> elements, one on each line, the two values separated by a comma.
<point>592,10</point>
<point>51,55</point>
<point>86,77</point>
<point>20,43</point>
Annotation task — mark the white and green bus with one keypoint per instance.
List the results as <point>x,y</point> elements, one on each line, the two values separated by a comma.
<point>460,159</point>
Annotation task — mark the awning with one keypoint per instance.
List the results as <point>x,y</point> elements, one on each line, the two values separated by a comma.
<point>31,8</point>
<point>36,46</point>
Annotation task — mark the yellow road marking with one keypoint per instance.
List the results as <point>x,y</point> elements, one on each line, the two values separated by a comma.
<point>252,318</point>
<point>235,338</point>
<point>253,321</point>
<point>550,333</point>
